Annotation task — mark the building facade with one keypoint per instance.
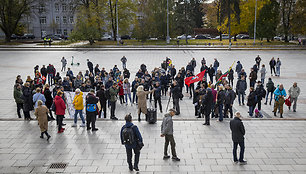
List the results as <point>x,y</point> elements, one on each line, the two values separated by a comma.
<point>51,17</point>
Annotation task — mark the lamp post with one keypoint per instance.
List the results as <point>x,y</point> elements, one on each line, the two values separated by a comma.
<point>229,24</point>
<point>168,37</point>
<point>255,23</point>
<point>117,35</point>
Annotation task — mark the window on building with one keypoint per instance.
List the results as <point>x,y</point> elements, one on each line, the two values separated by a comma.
<point>65,32</point>
<point>58,31</point>
<point>41,8</point>
<point>64,7</point>
<point>56,7</point>
<point>57,19</point>
<point>71,20</point>
<point>70,7</point>
<point>64,19</point>
<point>42,20</point>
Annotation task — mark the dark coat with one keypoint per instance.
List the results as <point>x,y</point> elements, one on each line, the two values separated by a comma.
<point>28,99</point>
<point>102,96</point>
<point>229,97</point>
<point>253,76</point>
<point>241,86</point>
<point>207,103</point>
<point>48,96</point>
<point>237,129</point>
<point>251,98</point>
<point>211,71</point>
<point>176,92</point>
<point>231,74</point>
<point>220,97</point>
<point>137,135</point>
<point>91,99</point>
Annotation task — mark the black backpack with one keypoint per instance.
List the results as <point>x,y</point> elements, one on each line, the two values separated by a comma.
<point>263,93</point>
<point>128,135</point>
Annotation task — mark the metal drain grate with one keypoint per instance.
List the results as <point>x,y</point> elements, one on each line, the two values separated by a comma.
<point>58,166</point>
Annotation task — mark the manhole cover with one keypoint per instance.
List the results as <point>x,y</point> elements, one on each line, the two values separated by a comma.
<point>58,165</point>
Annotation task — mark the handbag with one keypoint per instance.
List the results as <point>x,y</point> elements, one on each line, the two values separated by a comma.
<point>139,145</point>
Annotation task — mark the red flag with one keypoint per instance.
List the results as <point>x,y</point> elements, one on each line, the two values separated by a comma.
<point>193,79</point>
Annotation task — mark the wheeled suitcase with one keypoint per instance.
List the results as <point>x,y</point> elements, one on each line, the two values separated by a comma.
<point>151,116</point>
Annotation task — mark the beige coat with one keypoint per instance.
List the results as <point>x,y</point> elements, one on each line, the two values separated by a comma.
<point>41,113</point>
<point>142,101</point>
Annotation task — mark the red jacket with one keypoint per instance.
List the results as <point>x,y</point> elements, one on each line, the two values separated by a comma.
<point>120,84</point>
<point>59,105</point>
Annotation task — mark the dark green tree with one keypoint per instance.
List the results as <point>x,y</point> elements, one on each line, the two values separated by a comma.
<point>268,20</point>
<point>11,13</point>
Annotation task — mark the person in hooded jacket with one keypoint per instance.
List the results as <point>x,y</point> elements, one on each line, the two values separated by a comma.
<point>79,106</point>
<point>238,67</point>
<point>207,103</point>
<point>28,101</point>
<point>241,87</point>
<point>134,146</point>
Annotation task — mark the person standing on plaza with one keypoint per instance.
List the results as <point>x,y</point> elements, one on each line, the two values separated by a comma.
<point>252,99</point>
<point>193,63</point>
<point>279,96</point>
<point>167,132</point>
<point>41,113</point>
<point>18,99</point>
<point>64,63</point>
<point>27,101</point>
<point>38,96</point>
<point>263,72</point>
<point>260,93</point>
<point>91,110</point>
<point>102,95</point>
<point>79,106</point>
<point>216,65</point>
<point>127,90</point>
<point>220,102</point>
<point>278,66</point>
<point>229,101</point>
<point>238,133</point>
<point>123,60</point>
<point>253,78</point>
<point>90,66</point>
<point>272,64</point>
<point>294,93</point>
<point>60,108</point>
<point>142,101</point>
<point>238,67</point>
<point>203,61</point>
<point>113,91</point>
<point>130,136</point>
<point>214,93</point>
<point>211,72</point>
<point>157,96</point>
<point>241,87</point>
<point>207,103</point>
<point>258,60</point>
<point>176,95</point>
<point>49,100</point>
<point>270,89</point>
<point>231,77</point>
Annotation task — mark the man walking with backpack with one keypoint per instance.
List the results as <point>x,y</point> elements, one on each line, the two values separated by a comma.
<point>131,138</point>
<point>167,132</point>
<point>91,110</point>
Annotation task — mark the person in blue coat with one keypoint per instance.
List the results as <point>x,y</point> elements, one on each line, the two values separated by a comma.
<point>279,96</point>
<point>135,145</point>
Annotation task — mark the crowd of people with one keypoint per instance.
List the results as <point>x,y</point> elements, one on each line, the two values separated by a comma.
<point>212,97</point>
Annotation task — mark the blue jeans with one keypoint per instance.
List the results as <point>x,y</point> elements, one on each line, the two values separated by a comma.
<point>268,96</point>
<point>220,109</point>
<point>251,111</point>
<point>135,97</point>
<point>76,116</point>
<point>126,99</point>
<point>277,71</point>
<point>215,68</point>
<point>242,97</point>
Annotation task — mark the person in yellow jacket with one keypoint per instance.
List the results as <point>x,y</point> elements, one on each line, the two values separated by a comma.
<point>79,106</point>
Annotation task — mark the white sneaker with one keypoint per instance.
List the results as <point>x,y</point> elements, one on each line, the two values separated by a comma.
<point>82,125</point>
<point>74,125</point>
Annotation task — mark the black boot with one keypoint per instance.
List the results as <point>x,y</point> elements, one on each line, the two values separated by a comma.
<point>139,117</point>
<point>42,135</point>
<point>275,114</point>
<point>281,115</point>
<point>48,136</point>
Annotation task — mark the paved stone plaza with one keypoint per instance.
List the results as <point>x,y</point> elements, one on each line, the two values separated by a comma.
<point>276,147</point>
<point>272,146</point>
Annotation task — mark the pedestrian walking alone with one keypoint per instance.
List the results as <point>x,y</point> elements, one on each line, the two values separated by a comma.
<point>64,63</point>
<point>41,113</point>
<point>167,132</point>
<point>278,66</point>
<point>238,133</point>
<point>132,139</point>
